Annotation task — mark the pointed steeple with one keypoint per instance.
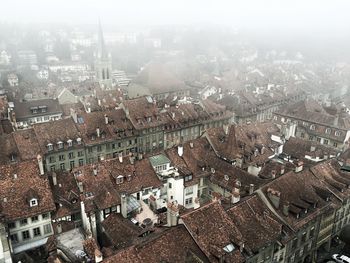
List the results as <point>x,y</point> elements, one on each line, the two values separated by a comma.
<point>101,51</point>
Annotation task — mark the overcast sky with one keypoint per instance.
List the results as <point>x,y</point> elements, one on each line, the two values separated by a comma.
<point>328,14</point>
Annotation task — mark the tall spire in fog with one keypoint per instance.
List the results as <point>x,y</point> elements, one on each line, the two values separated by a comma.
<point>102,52</point>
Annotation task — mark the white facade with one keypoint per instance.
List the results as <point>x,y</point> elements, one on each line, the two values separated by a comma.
<point>29,233</point>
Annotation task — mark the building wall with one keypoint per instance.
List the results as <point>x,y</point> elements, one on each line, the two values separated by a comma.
<point>70,157</point>
<point>44,224</point>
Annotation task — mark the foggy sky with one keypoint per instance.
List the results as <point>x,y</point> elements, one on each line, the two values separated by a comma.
<point>296,14</point>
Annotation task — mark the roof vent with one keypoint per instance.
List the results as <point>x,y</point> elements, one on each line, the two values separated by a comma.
<point>15,176</point>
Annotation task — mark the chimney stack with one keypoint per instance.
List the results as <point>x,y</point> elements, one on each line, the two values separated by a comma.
<point>236,195</point>
<point>40,163</point>
<point>124,205</point>
<point>191,144</point>
<point>282,169</point>
<point>274,197</point>
<point>94,169</point>
<point>106,119</point>
<point>226,129</point>
<point>120,157</point>
<point>98,132</point>
<point>273,174</point>
<point>54,178</point>
<point>172,214</point>
<point>286,208</point>
<point>81,187</point>
<point>251,189</point>
<point>180,150</point>
<point>299,166</point>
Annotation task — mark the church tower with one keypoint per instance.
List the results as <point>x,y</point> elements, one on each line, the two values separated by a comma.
<point>103,62</point>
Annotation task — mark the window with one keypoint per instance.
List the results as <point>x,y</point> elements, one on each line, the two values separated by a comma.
<point>170,185</point>
<point>79,141</point>
<point>70,143</point>
<point>36,232</point>
<point>11,225</point>
<point>325,141</point>
<point>60,145</point>
<point>80,153</point>
<point>35,218</point>
<point>318,139</point>
<point>99,148</point>
<point>189,190</point>
<point>61,157</point>
<point>302,135</point>
<point>62,167</point>
<point>312,127</point>
<point>311,137</point>
<point>328,131</point>
<point>52,159</point>
<point>188,201</point>
<point>113,145</point>
<point>120,179</point>
<point>71,155</point>
<point>90,150</point>
<point>50,147</point>
<point>14,238</point>
<point>33,202</point>
<point>47,229</point>
<point>52,168</point>
<point>81,162</point>
<point>335,144</point>
<point>337,133</point>
<point>72,164</point>
<point>45,216</point>
<point>25,235</point>
<point>188,178</point>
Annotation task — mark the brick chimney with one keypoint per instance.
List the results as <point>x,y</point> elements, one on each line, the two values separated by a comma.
<point>172,213</point>
<point>40,163</point>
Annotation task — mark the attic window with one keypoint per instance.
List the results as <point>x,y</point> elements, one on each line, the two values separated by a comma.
<point>70,143</point>
<point>229,248</point>
<point>33,202</point>
<point>328,131</point>
<point>312,127</point>
<point>50,147</point>
<point>337,133</point>
<point>188,178</point>
<point>120,179</point>
<point>78,140</point>
<point>60,145</point>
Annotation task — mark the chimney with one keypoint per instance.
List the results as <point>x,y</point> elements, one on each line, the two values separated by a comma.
<point>262,151</point>
<point>172,213</point>
<point>106,119</point>
<point>140,156</point>
<point>282,169</point>
<point>226,129</point>
<point>124,205</point>
<point>94,169</point>
<point>81,187</point>
<point>236,195</point>
<point>15,176</point>
<point>241,247</point>
<point>251,189</point>
<point>120,157</point>
<point>98,132</point>
<point>40,163</point>
<point>180,150</point>
<point>312,148</point>
<point>273,174</point>
<point>54,178</point>
<point>173,115</point>
<point>74,115</point>
<point>191,144</point>
<point>99,102</point>
<point>132,159</point>
<point>274,197</point>
<point>98,256</point>
<point>299,166</point>
<point>286,208</point>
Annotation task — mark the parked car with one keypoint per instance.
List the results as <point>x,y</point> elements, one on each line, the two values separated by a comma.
<point>341,258</point>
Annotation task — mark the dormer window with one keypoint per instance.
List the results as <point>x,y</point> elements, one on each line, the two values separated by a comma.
<point>60,145</point>
<point>328,131</point>
<point>120,179</point>
<point>33,202</point>
<point>79,141</point>
<point>312,127</point>
<point>50,147</point>
<point>70,143</point>
<point>337,133</point>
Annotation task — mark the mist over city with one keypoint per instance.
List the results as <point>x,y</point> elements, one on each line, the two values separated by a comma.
<point>175,131</point>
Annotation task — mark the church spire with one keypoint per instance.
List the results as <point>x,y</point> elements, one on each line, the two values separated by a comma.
<point>102,52</point>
